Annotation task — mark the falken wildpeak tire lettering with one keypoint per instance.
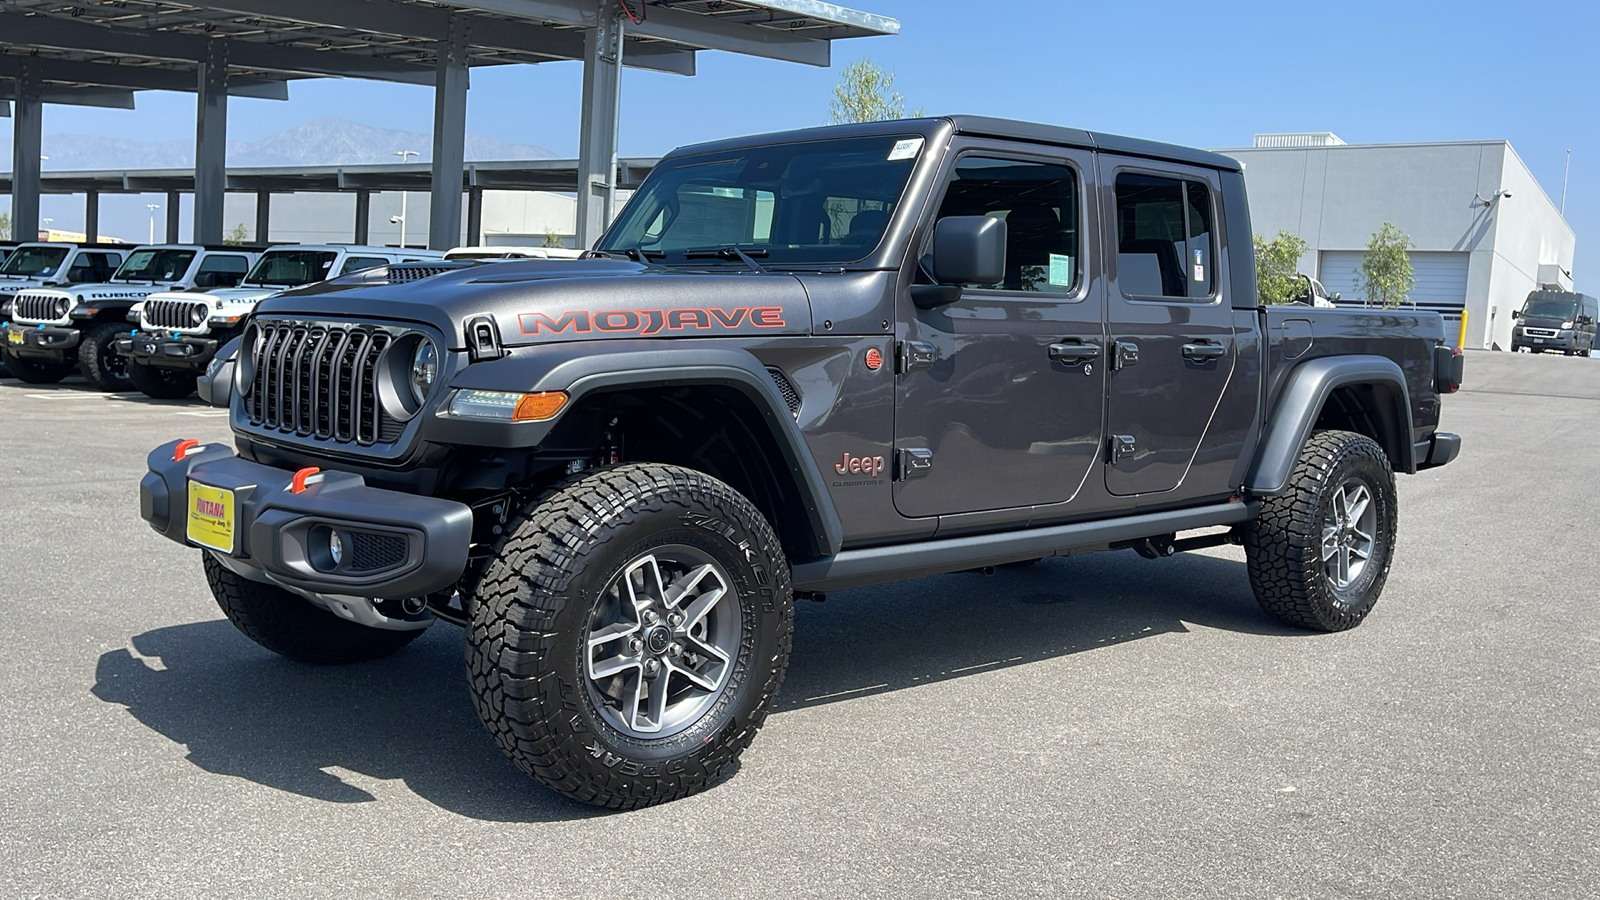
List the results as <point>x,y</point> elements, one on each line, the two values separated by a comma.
<point>98,360</point>
<point>290,626</point>
<point>529,632</point>
<point>1284,547</point>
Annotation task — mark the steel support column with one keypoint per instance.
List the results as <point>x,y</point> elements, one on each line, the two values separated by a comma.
<point>91,215</point>
<point>474,216</point>
<point>173,217</point>
<point>263,216</point>
<point>597,136</point>
<point>363,215</point>
<point>449,136</point>
<point>26,144</point>
<point>211,143</point>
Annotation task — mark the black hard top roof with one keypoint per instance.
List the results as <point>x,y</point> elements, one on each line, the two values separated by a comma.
<point>982,126</point>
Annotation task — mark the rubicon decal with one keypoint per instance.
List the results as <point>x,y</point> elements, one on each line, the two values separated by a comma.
<point>653,321</point>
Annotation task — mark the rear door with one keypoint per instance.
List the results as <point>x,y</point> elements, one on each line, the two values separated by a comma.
<point>1168,319</point>
<point>1000,396</point>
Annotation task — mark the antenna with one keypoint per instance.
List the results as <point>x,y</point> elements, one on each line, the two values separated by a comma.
<point>1564,170</point>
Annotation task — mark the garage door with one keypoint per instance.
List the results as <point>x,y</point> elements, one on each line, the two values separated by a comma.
<point>1441,278</point>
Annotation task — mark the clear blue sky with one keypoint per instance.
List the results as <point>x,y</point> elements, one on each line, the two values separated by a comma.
<point>1202,74</point>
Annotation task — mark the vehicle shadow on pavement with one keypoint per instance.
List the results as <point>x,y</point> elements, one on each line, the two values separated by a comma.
<point>244,712</point>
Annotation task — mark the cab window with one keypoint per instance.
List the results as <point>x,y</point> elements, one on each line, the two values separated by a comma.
<point>1164,237</point>
<point>1038,202</point>
<point>221,270</point>
<point>361,264</point>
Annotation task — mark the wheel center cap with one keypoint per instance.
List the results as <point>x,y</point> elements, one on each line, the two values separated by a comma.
<point>658,639</point>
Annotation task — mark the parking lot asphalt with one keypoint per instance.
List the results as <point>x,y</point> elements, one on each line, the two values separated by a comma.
<point>1097,726</point>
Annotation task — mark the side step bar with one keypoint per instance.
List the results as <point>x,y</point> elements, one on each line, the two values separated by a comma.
<point>878,565</point>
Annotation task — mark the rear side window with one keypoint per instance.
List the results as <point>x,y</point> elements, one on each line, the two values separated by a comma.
<point>221,270</point>
<point>362,263</point>
<point>93,267</point>
<point>1164,237</point>
<point>1039,203</point>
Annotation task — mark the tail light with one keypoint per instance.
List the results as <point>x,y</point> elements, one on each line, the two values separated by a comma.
<point>1447,367</point>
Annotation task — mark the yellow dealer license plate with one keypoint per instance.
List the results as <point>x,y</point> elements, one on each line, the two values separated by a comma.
<point>13,336</point>
<point>211,517</point>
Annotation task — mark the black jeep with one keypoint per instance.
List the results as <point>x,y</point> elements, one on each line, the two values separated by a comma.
<point>796,363</point>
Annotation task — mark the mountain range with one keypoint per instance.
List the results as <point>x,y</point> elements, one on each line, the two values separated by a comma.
<point>321,142</point>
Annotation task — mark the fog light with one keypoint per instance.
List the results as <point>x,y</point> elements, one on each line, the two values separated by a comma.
<point>335,547</point>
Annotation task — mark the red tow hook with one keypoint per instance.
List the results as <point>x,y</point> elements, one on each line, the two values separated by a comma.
<point>298,484</point>
<point>183,448</point>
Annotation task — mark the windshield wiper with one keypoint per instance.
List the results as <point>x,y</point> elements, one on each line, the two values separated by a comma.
<point>729,253</point>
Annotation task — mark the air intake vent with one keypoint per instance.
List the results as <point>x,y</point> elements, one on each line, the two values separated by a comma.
<point>791,397</point>
<point>401,273</point>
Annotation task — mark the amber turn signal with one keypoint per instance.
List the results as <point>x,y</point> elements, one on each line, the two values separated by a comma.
<point>540,406</point>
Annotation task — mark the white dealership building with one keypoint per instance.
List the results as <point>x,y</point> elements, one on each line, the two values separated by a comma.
<point>1485,232</point>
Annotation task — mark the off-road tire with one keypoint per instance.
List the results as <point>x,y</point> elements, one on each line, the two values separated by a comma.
<point>30,371</point>
<point>98,359</point>
<point>290,626</point>
<point>530,618</point>
<point>162,384</point>
<point>1283,547</point>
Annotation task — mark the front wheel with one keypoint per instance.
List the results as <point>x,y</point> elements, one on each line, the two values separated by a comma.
<point>162,384</point>
<point>31,371</point>
<point>1319,554</point>
<point>99,360</point>
<point>630,633</point>
<point>289,625</point>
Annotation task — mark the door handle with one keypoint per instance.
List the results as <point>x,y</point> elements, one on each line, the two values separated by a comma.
<point>1202,350</point>
<point>1073,354</point>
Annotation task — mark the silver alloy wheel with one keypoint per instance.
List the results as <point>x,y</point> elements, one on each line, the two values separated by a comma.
<point>661,642</point>
<point>1347,533</point>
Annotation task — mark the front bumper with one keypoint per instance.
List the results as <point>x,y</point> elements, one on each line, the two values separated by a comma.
<point>54,342</point>
<point>1564,340</point>
<point>168,351</point>
<point>397,545</point>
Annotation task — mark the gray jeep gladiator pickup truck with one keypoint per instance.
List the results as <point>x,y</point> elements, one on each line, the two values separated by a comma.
<point>795,363</point>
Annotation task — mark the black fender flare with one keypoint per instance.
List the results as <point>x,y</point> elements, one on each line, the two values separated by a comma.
<point>585,368</point>
<point>1301,401</point>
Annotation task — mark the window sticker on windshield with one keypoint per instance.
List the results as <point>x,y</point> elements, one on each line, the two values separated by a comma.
<point>1060,270</point>
<point>906,149</point>
<point>1199,266</point>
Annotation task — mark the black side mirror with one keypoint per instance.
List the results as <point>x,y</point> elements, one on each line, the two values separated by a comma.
<point>966,250</point>
<point>1516,314</point>
<point>1584,320</point>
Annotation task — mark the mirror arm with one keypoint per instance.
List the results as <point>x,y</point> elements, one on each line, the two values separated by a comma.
<point>933,296</point>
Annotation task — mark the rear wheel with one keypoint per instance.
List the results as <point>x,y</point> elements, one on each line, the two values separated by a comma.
<point>630,633</point>
<point>1319,554</point>
<point>289,625</point>
<point>100,362</point>
<point>162,384</point>
<point>34,371</point>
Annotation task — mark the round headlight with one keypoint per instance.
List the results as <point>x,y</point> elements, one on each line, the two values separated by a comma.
<point>424,369</point>
<point>197,314</point>
<point>63,306</point>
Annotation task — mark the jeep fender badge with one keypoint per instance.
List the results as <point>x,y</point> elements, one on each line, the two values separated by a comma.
<point>874,359</point>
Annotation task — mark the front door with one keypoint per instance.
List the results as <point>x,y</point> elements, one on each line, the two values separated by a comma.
<point>1169,321</point>
<point>1000,396</point>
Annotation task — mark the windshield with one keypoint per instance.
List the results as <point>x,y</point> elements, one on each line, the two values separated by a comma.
<point>807,203</point>
<point>32,261</point>
<point>155,265</point>
<point>291,268</point>
<point>1550,307</point>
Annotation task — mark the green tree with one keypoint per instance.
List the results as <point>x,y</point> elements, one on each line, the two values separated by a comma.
<point>1278,267</point>
<point>551,239</point>
<point>236,236</point>
<point>865,93</point>
<point>5,226</point>
<point>1386,269</point>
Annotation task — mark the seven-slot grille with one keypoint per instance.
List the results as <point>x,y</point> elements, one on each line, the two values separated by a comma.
<point>319,381</point>
<point>175,314</point>
<point>37,307</point>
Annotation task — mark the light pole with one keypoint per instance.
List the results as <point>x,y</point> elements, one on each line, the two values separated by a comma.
<point>152,207</point>
<point>405,157</point>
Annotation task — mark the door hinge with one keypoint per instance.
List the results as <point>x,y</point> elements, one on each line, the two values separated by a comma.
<point>914,356</point>
<point>912,462</point>
<point>1122,447</point>
<point>1127,355</point>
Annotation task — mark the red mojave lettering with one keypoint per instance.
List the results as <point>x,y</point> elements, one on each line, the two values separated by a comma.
<point>652,321</point>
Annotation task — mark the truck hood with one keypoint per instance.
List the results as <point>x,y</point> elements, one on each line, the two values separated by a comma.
<point>92,292</point>
<point>10,284</point>
<point>544,301</point>
<point>220,297</point>
<point>1541,322</point>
